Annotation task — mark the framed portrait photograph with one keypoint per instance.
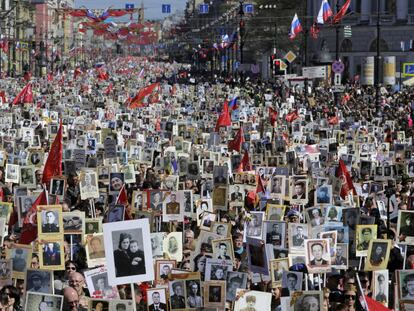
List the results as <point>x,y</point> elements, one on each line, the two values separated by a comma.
<point>157,299</point>
<point>317,252</point>
<point>97,282</point>
<point>28,176</point>
<point>116,213</point>
<point>5,210</point>
<point>256,256</point>
<point>274,233</point>
<point>214,294</point>
<point>163,268</point>
<point>121,305</point>
<point>220,198</point>
<point>406,225</point>
<point>223,249</point>
<point>193,293</point>
<point>252,300</point>
<point>206,220</point>
<point>314,216</point>
<point>298,191</point>
<point>203,206</point>
<point>20,256</point>
<point>6,272</point>
<point>292,281</point>
<point>223,229</point>
<point>275,211</point>
<point>277,267</point>
<point>95,251</point>
<point>378,254</point>
<point>52,255</point>
<point>297,235</point>
<point>24,205</point>
<point>340,261</point>
<point>73,222</point>
<point>216,269</point>
<point>98,305</point>
<point>173,245</point>
<point>173,206</point>
<point>40,301</point>
<point>155,201</point>
<point>93,225</point>
<point>253,227</point>
<point>235,280</point>
<point>12,173</point>
<point>276,186</point>
<point>49,220</point>
<point>88,184</point>
<point>323,195</point>
<point>157,244</point>
<point>177,295</point>
<point>380,288</point>
<point>103,173</point>
<point>364,234</point>
<point>57,186</point>
<point>39,281</point>
<point>307,300</point>
<point>333,214</point>
<point>128,253</point>
<point>137,200</point>
<point>405,280</point>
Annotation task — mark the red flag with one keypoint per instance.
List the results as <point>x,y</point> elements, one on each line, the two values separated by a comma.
<point>259,188</point>
<point>3,97</point>
<point>53,166</point>
<point>137,101</point>
<point>237,142</point>
<point>27,76</point>
<point>50,77</point>
<point>273,116</point>
<point>25,95</point>
<point>333,120</point>
<point>109,89</point>
<point>4,45</point>
<point>102,75</point>
<point>341,13</point>
<point>122,197</point>
<point>245,163</point>
<point>29,230</point>
<point>77,73</point>
<point>347,184</point>
<point>224,117</point>
<point>314,30</point>
<point>292,116</point>
<point>375,305</point>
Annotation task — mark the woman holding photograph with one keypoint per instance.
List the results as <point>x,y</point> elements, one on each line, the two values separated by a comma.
<point>121,257</point>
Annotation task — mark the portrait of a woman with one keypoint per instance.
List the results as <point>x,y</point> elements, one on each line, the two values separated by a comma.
<point>121,257</point>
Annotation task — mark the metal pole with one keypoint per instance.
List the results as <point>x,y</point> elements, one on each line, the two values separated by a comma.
<point>377,59</point>
<point>336,95</point>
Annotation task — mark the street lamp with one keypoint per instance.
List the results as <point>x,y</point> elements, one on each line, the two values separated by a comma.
<point>241,29</point>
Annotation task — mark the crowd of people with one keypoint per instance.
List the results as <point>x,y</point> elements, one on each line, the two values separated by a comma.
<point>138,185</point>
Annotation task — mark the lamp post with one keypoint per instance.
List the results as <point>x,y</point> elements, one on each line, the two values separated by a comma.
<point>377,58</point>
<point>241,29</point>
<point>336,95</point>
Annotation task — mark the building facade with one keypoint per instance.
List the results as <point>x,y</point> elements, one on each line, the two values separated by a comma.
<point>396,28</point>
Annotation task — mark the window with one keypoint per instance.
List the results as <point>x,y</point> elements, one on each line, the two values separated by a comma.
<point>346,45</point>
<point>383,46</point>
<point>410,7</point>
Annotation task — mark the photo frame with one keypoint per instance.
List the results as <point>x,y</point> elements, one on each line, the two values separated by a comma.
<point>118,304</point>
<point>12,173</point>
<point>51,255</point>
<point>380,288</point>
<point>20,256</point>
<point>216,269</point>
<point>157,299</point>
<point>223,249</point>
<point>305,298</point>
<point>39,301</point>
<point>341,259</point>
<point>173,245</point>
<point>120,270</point>
<point>6,272</point>
<point>378,254</point>
<point>98,285</point>
<point>39,281</point>
<point>297,234</point>
<point>95,252</point>
<point>27,176</point>
<point>274,233</point>
<point>223,229</point>
<point>405,225</point>
<point>364,234</point>
<point>93,225</point>
<point>252,299</point>
<point>317,252</point>
<point>57,186</point>
<point>73,222</point>
<point>277,267</point>
<point>88,184</point>
<point>50,220</point>
<point>173,206</point>
<point>292,281</point>
<point>163,268</point>
<point>235,280</point>
<point>214,294</point>
<point>256,256</point>
<point>404,279</point>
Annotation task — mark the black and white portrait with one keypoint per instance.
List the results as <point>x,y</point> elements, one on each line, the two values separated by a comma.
<point>128,252</point>
<point>39,281</point>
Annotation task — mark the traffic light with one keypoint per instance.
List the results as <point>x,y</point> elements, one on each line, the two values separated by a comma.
<point>276,67</point>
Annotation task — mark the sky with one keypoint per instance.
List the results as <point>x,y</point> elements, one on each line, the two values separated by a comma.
<point>152,7</point>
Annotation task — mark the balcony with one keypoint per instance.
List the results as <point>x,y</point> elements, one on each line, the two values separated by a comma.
<point>384,19</point>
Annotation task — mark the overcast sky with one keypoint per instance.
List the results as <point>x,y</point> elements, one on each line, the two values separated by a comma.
<point>152,8</point>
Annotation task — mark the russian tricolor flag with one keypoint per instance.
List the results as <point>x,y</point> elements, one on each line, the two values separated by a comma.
<point>233,103</point>
<point>295,27</point>
<point>325,12</point>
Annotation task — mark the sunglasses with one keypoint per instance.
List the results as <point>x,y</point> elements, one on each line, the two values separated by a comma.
<point>71,268</point>
<point>350,297</point>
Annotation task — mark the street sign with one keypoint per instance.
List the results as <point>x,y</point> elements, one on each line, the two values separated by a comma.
<point>203,9</point>
<point>408,69</point>
<point>248,8</point>
<point>166,8</point>
<point>337,79</point>
<point>338,66</point>
<point>314,72</point>
<point>347,31</point>
<point>129,6</point>
<point>290,56</point>
<point>338,89</point>
<point>282,65</point>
